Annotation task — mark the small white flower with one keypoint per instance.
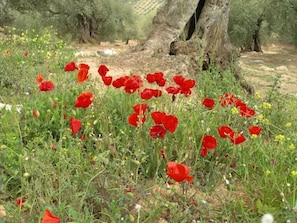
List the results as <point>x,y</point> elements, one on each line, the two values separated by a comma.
<point>138,207</point>
<point>267,218</point>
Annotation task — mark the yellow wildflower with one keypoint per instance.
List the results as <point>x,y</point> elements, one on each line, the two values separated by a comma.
<point>267,172</point>
<point>279,138</point>
<point>292,147</point>
<point>234,111</point>
<point>289,124</point>
<point>257,95</point>
<point>266,105</point>
<point>294,173</point>
<point>260,117</point>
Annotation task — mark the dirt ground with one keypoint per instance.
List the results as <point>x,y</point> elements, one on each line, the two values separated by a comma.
<point>276,65</point>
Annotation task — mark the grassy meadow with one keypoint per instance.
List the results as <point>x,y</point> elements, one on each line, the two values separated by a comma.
<point>148,148</point>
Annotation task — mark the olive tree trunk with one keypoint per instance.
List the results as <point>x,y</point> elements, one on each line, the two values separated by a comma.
<point>197,28</point>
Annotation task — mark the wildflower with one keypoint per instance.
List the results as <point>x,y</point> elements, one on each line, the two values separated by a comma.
<point>178,172</point>
<point>138,117</point>
<point>75,125</point>
<point>279,138</point>
<point>26,175</point>
<point>46,86</point>
<point>147,94</point>
<point>266,105</point>
<point>107,80</point>
<point>48,217</point>
<point>20,202</point>
<point>246,111</point>
<point>236,138</point>
<point>292,147</point>
<point>39,78</point>
<point>138,207</point>
<point>157,77</point>
<point>185,85</point>
<point>234,111</point>
<point>255,130</point>
<point>172,90</point>
<point>71,66</point>
<point>102,70</point>
<point>267,172</point>
<point>82,75</point>
<point>162,151</point>
<point>288,125</point>
<point>209,142</point>
<point>265,121</point>
<point>208,103</point>
<point>83,100</point>
<point>132,84</point>
<point>257,95</point>
<point>227,99</point>
<point>267,218</point>
<point>158,116</point>
<point>294,173</point>
<point>35,113</point>
<point>157,131</point>
<point>170,123</point>
<point>224,131</point>
<point>25,53</point>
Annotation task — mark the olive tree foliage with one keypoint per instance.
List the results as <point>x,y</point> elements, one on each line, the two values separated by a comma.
<point>255,22</point>
<point>88,20</point>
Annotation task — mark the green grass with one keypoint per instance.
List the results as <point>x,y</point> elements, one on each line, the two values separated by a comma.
<point>118,167</point>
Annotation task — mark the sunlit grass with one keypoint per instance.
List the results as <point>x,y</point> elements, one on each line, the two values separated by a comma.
<point>116,172</point>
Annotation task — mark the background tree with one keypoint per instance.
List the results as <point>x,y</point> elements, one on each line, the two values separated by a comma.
<point>88,20</point>
<point>253,22</point>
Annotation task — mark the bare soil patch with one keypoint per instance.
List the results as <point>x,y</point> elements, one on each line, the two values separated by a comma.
<point>277,63</point>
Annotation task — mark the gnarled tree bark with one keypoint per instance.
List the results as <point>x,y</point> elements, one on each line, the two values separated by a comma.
<point>195,28</point>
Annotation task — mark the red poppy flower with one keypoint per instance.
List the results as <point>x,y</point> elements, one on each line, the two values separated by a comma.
<point>107,80</point>
<point>102,70</point>
<point>39,78</point>
<point>20,202</point>
<point>204,151</point>
<point>178,79</point>
<point>255,130</point>
<point>132,84</point>
<point>26,53</point>
<point>83,100</point>
<point>158,116</point>
<point>136,119</point>
<point>157,93</point>
<point>209,142</point>
<point>35,113</point>
<point>75,125</point>
<point>70,66</point>
<point>147,94</point>
<point>157,131</point>
<point>170,123</point>
<point>48,217</point>
<point>172,90</point>
<point>162,151</point>
<point>208,103</point>
<point>227,99</point>
<point>224,131</point>
<point>83,66</point>
<point>140,108</point>
<point>82,75</point>
<point>46,86</point>
<point>246,111</point>
<point>178,172</point>
<point>120,82</point>
<point>150,78</point>
<point>157,77</point>
<point>236,138</point>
